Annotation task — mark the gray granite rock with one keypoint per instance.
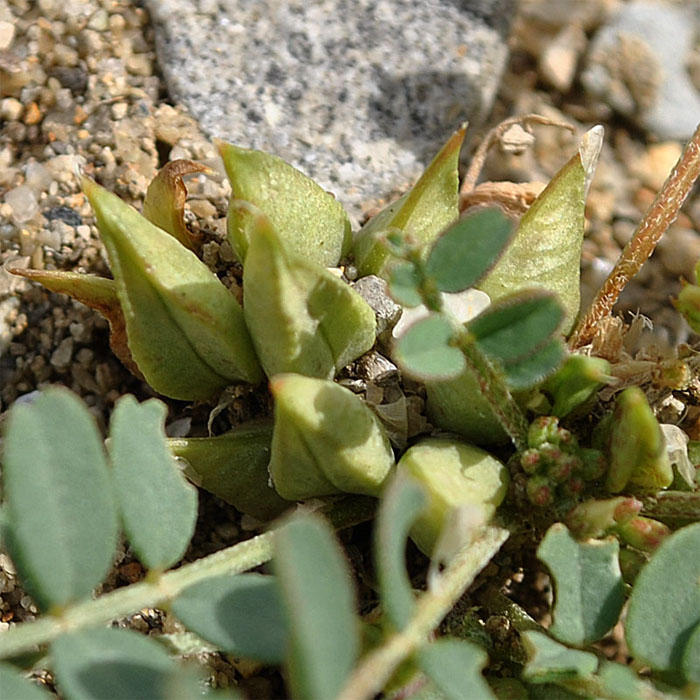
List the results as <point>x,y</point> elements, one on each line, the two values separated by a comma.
<point>637,63</point>
<point>359,94</point>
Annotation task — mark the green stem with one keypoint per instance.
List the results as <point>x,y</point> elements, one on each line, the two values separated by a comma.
<point>377,667</point>
<point>149,594</point>
<point>495,391</point>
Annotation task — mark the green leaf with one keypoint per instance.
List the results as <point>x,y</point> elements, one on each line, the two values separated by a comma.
<point>455,668</point>
<point>588,583</point>
<point>400,506</point>
<point>302,318</point>
<point>241,615</point>
<point>16,686</point>
<point>517,327</point>
<point>576,381</point>
<point>186,331</point>
<point>404,285</point>
<point>664,608</point>
<point>424,350</point>
<point>637,447</point>
<point>546,249</point>
<point>422,213</point>
<point>164,204</point>
<point>530,371</point>
<point>551,661</point>
<point>621,682</point>
<point>309,220</point>
<point>320,607</point>
<point>95,664</point>
<point>159,529</point>
<point>233,466</point>
<point>691,656</point>
<point>463,254</point>
<point>310,455</point>
<point>61,517</point>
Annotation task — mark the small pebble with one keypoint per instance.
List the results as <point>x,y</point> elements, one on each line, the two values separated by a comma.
<point>11,109</point>
<point>7,34</point>
<point>23,202</point>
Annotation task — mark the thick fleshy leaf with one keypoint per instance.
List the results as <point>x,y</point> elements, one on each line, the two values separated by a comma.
<point>110,663</point>
<point>159,529</point>
<point>517,327</point>
<point>576,381</point>
<point>422,213</point>
<point>467,250</point>
<point>401,504</point>
<point>455,668</point>
<point>691,656</point>
<point>452,474</point>
<point>319,603</point>
<point>546,249</point>
<point>164,204</point>
<point>424,350</point>
<point>404,285</point>
<point>551,661</point>
<point>99,294</point>
<point>61,519</point>
<point>664,607</point>
<point>309,220</point>
<point>301,317</point>
<point>588,584</point>
<point>326,440</point>
<point>185,330</point>
<point>241,615</point>
<point>233,466</point>
<point>621,682</point>
<point>15,686</point>
<point>637,448</point>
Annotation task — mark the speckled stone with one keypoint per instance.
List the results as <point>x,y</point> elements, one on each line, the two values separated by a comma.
<point>637,62</point>
<point>358,94</point>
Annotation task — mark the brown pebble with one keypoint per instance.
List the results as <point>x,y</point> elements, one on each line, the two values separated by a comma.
<point>32,114</point>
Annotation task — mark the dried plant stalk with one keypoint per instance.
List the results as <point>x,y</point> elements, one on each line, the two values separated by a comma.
<point>660,215</point>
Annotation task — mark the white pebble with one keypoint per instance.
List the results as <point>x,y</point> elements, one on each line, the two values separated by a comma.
<point>7,34</point>
<point>37,177</point>
<point>23,202</point>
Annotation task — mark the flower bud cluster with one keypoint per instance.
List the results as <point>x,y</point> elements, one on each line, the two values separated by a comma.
<point>555,463</point>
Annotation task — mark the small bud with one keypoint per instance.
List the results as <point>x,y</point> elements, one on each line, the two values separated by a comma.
<point>540,491</point>
<point>595,517</point>
<point>233,466</point>
<point>643,533</point>
<point>593,464</point>
<point>326,440</point>
<point>453,474</point>
<point>577,380</point>
<point>563,469</point>
<point>531,460</point>
<point>543,430</point>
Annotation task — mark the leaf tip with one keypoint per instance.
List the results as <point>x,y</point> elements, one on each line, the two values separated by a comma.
<point>589,150</point>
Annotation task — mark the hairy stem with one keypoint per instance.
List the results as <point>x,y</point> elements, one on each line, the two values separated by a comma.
<point>165,588</point>
<point>660,215</point>
<point>372,674</point>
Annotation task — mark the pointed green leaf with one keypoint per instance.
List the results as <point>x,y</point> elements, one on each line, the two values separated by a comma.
<point>588,584</point>
<point>302,318</point>
<point>401,504</point>
<point>455,668</point>
<point>309,220</point>
<point>516,327</point>
<point>16,686</point>
<point>576,381</point>
<point>164,204</point>
<point>404,285</point>
<point>233,466</point>
<point>452,474</point>
<point>159,529</point>
<point>664,608</point>
<point>95,664</point>
<point>551,661</point>
<point>61,517</point>
<point>546,249</point>
<point>465,252</point>
<point>185,330</point>
<point>320,606</point>
<point>424,350</point>
<point>527,372</point>
<point>241,615</point>
<point>422,213</point>
<point>311,456</point>
<point>637,447</point>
